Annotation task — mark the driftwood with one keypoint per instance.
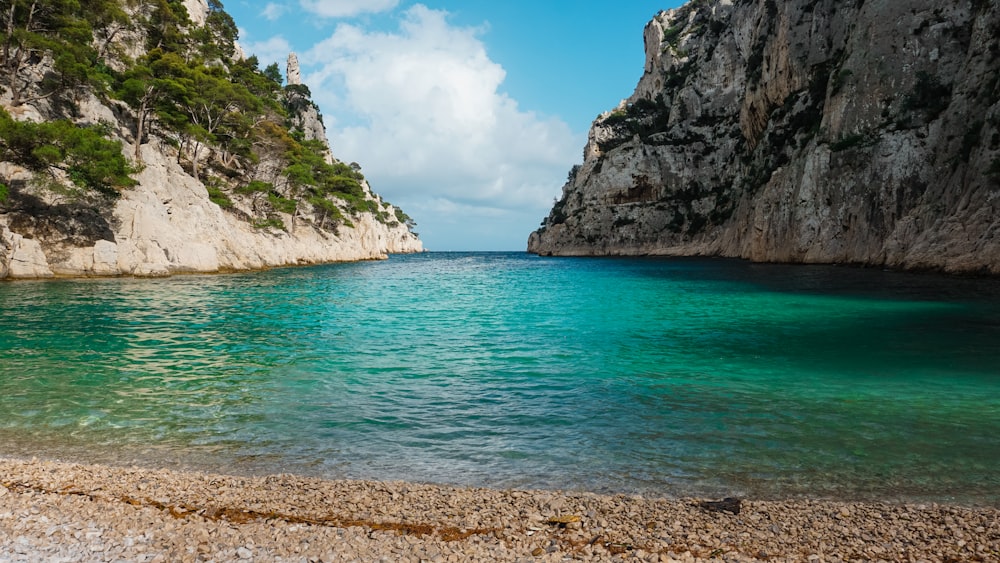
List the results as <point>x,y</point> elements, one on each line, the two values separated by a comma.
<point>728,504</point>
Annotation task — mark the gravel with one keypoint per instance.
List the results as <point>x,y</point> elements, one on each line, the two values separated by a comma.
<point>53,511</point>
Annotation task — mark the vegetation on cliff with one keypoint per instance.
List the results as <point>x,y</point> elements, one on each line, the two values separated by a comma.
<point>168,80</point>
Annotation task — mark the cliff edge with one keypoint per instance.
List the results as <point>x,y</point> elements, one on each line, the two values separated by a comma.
<point>137,139</point>
<point>817,131</point>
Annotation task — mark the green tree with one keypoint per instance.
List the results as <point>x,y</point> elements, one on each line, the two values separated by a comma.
<point>165,26</point>
<point>154,83</point>
<point>216,40</point>
<point>32,28</point>
<point>216,109</point>
<point>108,19</point>
<point>247,73</point>
<point>273,73</point>
<point>85,154</point>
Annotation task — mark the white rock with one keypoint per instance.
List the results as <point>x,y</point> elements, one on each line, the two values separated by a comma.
<point>27,259</point>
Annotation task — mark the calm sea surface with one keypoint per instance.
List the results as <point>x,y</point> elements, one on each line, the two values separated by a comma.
<point>659,376</point>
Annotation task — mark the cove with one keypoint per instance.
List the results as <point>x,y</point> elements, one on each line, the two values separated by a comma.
<point>671,377</point>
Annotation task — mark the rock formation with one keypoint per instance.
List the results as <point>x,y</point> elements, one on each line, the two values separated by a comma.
<point>197,10</point>
<point>308,118</point>
<point>174,220</point>
<point>842,131</point>
<point>292,72</point>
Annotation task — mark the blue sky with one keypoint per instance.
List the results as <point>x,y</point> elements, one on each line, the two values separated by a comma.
<point>467,114</point>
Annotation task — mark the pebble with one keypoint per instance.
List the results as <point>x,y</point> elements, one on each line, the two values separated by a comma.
<point>70,512</point>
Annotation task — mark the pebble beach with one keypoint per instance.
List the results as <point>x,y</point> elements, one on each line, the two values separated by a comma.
<point>54,511</point>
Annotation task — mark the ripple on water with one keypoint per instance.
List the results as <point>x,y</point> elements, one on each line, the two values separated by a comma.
<point>671,376</point>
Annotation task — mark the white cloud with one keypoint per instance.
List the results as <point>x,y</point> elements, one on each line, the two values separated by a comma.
<point>421,109</point>
<point>272,50</point>
<point>346,8</point>
<point>274,11</point>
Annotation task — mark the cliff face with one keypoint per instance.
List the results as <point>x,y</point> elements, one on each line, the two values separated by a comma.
<point>168,225</point>
<point>178,218</point>
<point>845,131</point>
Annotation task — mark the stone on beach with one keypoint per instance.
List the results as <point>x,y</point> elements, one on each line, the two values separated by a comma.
<point>71,512</point>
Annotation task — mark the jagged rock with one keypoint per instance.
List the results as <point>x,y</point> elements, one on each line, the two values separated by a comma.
<point>800,131</point>
<point>22,257</point>
<point>294,75</point>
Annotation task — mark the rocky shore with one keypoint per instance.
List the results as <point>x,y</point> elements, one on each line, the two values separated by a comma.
<point>52,511</point>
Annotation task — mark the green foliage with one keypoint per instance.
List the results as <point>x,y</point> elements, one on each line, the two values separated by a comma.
<point>273,73</point>
<point>299,89</point>
<point>218,108</point>
<point>61,29</point>
<point>330,209</point>
<point>219,33</point>
<point>247,73</point>
<point>90,159</point>
<point>165,26</point>
<point>616,117</point>
<point>282,204</point>
<point>558,214</point>
<point>308,171</point>
<point>186,89</point>
<point>404,218</point>
<point>644,118</point>
<point>256,186</point>
<point>215,193</point>
<point>4,193</point>
<point>672,34</point>
<point>298,98</point>
<point>270,223</point>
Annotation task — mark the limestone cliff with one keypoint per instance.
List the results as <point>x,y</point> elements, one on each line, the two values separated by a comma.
<point>197,206</point>
<point>843,131</point>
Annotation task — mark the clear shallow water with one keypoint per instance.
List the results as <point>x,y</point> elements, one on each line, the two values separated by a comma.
<point>670,377</point>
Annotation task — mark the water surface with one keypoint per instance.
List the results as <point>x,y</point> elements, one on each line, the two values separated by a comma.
<point>660,376</point>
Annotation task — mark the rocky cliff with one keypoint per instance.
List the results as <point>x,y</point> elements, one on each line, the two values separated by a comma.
<point>197,205</point>
<point>839,131</point>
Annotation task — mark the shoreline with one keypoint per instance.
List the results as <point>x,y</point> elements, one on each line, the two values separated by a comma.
<point>67,511</point>
<point>202,273</point>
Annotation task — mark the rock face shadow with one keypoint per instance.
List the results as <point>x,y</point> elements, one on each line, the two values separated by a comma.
<point>75,223</point>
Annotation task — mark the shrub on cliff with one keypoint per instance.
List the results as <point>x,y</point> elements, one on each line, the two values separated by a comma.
<point>232,124</point>
<point>87,157</point>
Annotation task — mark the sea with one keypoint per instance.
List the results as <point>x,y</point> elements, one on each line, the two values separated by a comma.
<point>673,377</point>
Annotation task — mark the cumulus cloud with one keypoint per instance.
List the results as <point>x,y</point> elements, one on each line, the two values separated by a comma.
<point>273,11</point>
<point>346,8</point>
<point>421,109</point>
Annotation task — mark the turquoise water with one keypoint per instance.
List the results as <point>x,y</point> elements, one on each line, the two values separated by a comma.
<point>660,376</point>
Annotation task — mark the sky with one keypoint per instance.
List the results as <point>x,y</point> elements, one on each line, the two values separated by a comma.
<point>467,114</point>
